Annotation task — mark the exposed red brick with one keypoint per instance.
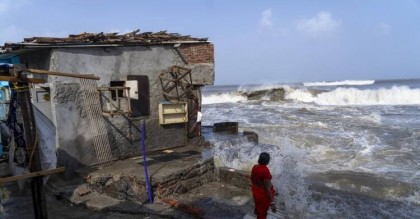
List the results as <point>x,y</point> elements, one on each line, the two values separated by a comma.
<point>198,53</point>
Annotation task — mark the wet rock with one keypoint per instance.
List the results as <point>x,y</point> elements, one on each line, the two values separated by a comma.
<point>251,136</point>
<point>275,94</point>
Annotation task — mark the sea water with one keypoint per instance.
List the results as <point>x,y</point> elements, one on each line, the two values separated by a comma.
<point>344,149</point>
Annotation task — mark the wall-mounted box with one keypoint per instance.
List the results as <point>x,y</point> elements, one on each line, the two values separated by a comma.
<point>172,113</point>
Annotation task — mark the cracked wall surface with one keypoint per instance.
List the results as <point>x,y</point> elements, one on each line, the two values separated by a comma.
<point>73,141</point>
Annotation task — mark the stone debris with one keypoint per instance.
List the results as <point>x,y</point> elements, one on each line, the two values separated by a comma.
<point>82,190</point>
<point>190,209</point>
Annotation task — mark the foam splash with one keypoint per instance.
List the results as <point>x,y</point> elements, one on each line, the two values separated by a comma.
<point>373,117</point>
<point>397,95</point>
<point>369,143</point>
<point>288,173</point>
<point>339,83</point>
<point>302,95</point>
<point>223,98</point>
<point>413,199</point>
<point>286,167</point>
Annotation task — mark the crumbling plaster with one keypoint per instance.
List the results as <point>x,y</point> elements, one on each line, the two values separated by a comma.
<point>74,144</point>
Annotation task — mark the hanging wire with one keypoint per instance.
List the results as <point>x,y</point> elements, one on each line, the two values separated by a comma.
<point>19,88</point>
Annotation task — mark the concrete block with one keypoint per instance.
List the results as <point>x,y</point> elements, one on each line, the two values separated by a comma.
<point>238,178</point>
<point>100,202</point>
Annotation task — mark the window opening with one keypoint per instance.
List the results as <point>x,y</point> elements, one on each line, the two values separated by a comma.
<point>115,99</point>
<point>115,93</point>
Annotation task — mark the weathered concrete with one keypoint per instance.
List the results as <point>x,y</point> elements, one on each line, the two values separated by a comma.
<point>170,174</point>
<point>220,200</point>
<point>39,59</point>
<point>95,202</point>
<point>237,178</point>
<point>73,138</point>
<point>185,175</point>
<point>189,178</point>
<point>19,206</point>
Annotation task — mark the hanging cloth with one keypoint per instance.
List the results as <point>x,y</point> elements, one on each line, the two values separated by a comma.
<point>15,125</point>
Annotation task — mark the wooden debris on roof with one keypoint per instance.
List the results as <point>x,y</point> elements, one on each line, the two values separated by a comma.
<point>105,38</point>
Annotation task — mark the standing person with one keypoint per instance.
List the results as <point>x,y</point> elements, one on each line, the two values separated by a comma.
<point>262,189</point>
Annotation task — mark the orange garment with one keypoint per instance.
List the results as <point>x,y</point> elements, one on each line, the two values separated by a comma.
<point>262,202</point>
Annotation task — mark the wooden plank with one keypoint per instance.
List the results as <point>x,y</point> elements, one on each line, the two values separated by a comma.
<point>8,78</point>
<point>72,75</point>
<point>32,175</point>
<point>15,79</point>
<point>36,81</point>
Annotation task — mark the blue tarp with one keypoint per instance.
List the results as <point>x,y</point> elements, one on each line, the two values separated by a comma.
<point>10,59</point>
<point>6,65</point>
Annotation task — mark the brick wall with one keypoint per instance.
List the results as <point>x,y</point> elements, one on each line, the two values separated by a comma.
<point>198,53</point>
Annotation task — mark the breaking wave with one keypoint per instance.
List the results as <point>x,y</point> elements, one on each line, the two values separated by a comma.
<point>231,97</point>
<point>397,95</point>
<point>339,83</point>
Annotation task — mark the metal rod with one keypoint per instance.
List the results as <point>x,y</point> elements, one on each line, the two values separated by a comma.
<point>146,174</point>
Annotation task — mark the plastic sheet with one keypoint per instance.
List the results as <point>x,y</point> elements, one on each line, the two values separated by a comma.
<point>47,144</point>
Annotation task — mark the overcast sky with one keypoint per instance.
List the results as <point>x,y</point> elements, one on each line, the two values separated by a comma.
<point>255,41</point>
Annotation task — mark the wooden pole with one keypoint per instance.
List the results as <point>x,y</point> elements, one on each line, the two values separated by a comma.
<point>15,79</point>
<point>72,75</point>
<point>32,175</point>
<point>37,183</point>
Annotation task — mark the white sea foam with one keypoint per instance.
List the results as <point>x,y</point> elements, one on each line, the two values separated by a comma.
<point>414,198</point>
<point>302,95</point>
<point>223,98</point>
<point>397,95</point>
<point>368,143</point>
<point>373,117</point>
<point>334,139</point>
<point>322,125</point>
<point>338,83</point>
<point>286,167</point>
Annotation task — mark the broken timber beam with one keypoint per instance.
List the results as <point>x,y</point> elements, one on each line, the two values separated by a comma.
<point>15,79</point>
<point>32,175</point>
<point>39,71</point>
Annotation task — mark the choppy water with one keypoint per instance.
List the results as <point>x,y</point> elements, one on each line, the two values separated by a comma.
<point>348,149</point>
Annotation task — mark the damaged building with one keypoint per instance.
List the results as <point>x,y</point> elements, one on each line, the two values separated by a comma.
<point>124,81</point>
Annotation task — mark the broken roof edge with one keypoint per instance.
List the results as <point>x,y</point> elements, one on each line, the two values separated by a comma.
<point>134,38</point>
<point>25,48</point>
